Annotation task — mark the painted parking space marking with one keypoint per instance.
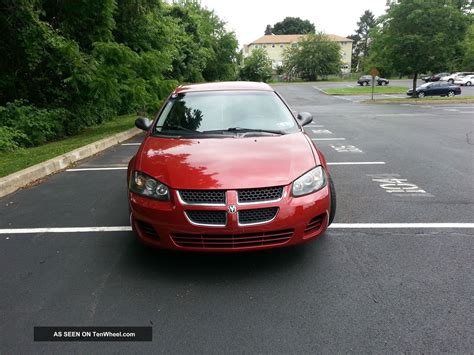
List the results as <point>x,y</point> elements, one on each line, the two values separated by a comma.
<point>314,126</point>
<point>394,185</point>
<point>130,144</point>
<point>109,229</point>
<point>328,139</point>
<point>341,148</point>
<point>401,225</point>
<point>321,131</point>
<point>358,163</point>
<point>65,230</point>
<point>98,169</point>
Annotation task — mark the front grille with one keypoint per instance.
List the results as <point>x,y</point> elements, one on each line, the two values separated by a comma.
<point>259,215</point>
<point>232,241</point>
<point>147,229</point>
<point>215,218</point>
<point>196,197</point>
<point>260,195</point>
<point>314,224</point>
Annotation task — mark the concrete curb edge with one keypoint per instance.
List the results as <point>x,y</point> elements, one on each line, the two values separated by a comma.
<point>22,178</point>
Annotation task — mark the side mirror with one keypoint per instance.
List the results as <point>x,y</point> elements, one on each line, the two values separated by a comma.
<point>305,118</point>
<point>143,123</point>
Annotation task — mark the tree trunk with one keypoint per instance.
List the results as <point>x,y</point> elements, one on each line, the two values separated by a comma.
<point>415,76</point>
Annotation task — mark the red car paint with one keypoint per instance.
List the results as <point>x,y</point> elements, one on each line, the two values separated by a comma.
<point>230,165</point>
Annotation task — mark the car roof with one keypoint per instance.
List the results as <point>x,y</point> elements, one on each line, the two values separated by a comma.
<point>223,86</point>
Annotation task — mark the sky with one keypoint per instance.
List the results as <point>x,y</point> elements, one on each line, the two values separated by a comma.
<point>248,18</point>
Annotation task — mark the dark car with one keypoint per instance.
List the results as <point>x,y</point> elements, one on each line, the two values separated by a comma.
<point>436,89</point>
<point>434,77</point>
<point>365,80</point>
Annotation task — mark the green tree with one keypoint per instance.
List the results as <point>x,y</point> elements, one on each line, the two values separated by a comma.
<point>257,66</point>
<point>268,30</point>
<point>293,25</point>
<point>419,36</point>
<point>468,45</point>
<point>316,55</point>
<point>361,39</point>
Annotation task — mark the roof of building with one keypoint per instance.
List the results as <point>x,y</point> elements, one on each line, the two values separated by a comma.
<point>223,86</point>
<point>293,38</point>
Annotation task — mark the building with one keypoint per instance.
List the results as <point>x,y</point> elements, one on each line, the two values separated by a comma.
<point>275,46</point>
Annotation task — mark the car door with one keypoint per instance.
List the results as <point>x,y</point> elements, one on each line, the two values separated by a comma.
<point>431,89</point>
<point>443,88</point>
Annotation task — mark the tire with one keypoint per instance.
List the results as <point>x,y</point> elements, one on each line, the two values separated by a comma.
<point>332,191</point>
<point>365,83</point>
<point>451,94</point>
<point>451,81</point>
<point>421,94</point>
<point>383,83</point>
<point>468,83</point>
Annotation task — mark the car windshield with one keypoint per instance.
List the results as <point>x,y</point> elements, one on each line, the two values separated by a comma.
<point>230,112</point>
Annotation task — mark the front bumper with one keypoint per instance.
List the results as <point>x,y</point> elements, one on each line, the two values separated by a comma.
<point>164,224</point>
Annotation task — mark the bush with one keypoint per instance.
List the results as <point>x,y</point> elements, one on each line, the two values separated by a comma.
<point>11,139</point>
<point>38,125</point>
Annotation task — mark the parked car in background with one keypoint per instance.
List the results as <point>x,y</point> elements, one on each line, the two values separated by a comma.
<point>441,88</point>
<point>365,80</point>
<point>452,78</point>
<point>434,77</point>
<point>467,80</point>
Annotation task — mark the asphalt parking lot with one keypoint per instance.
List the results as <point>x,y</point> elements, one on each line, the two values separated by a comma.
<point>400,282</point>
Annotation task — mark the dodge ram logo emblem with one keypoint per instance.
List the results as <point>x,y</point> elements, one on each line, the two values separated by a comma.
<point>232,209</point>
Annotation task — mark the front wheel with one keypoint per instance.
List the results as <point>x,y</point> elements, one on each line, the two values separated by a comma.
<point>468,83</point>
<point>421,94</point>
<point>383,83</point>
<point>450,81</point>
<point>365,83</point>
<point>332,191</point>
<point>451,94</point>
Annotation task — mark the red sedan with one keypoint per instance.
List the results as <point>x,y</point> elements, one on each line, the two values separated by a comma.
<point>228,167</point>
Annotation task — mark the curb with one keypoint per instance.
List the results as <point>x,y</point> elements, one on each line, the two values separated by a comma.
<point>22,178</point>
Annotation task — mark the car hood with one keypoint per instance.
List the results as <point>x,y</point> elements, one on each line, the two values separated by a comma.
<point>226,163</point>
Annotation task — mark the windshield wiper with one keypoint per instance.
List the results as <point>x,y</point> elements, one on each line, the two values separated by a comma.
<point>246,130</point>
<point>176,128</point>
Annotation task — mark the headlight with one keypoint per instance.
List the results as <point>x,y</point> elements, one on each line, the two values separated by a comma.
<point>145,185</point>
<point>312,181</point>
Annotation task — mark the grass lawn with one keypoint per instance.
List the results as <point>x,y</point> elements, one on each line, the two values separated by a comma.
<point>11,162</point>
<point>367,90</point>
<point>426,100</point>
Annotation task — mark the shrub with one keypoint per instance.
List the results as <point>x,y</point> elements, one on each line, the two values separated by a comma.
<point>38,125</point>
<point>11,139</point>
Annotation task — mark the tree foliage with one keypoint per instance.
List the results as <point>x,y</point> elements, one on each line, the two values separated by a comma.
<point>361,38</point>
<point>69,64</point>
<point>257,66</point>
<point>315,56</point>
<point>419,36</point>
<point>293,25</point>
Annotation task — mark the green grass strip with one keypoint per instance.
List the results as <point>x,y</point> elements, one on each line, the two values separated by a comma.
<point>425,100</point>
<point>367,90</point>
<point>11,162</point>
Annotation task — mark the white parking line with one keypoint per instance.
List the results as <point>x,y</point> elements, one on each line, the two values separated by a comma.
<point>400,225</point>
<point>130,143</point>
<point>328,139</point>
<point>359,163</point>
<point>125,167</point>
<point>332,226</point>
<point>66,230</point>
<point>97,169</point>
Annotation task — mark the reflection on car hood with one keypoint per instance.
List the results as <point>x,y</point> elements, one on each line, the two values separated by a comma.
<point>226,163</point>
